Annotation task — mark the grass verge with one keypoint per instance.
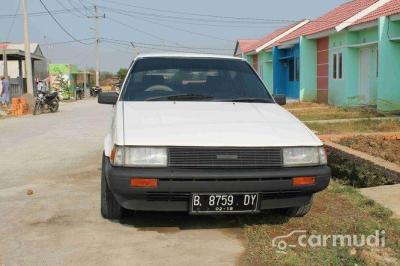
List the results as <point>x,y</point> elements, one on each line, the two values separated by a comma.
<point>340,209</point>
<point>358,126</point>
<point>376,146</point>
<point>330,112</point>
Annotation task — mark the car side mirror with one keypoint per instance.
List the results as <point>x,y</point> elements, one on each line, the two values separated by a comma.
<point>280,99</point>
<point>109,97</point>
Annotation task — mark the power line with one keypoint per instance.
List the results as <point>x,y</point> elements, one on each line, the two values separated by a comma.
<point>66,8</point>
<point>190,22</point>
<point>136,29</point>
<point>198,14</point>
<point>59,24</point>
<point>81,14</point>
<point>173,27</point>
<point>13,22</point>
<point>42,13</point>
<point>180,18</point>
<point>156,48</point>
<point>67,42</point>
<point>170,46</point>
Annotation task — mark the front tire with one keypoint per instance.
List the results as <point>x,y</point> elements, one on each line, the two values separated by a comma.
<point>37,109</point>
<point>299,211</point>
<point>110,208</point>
<point>54,106</point>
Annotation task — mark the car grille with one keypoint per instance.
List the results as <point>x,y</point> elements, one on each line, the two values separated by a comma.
<point>215,157</point>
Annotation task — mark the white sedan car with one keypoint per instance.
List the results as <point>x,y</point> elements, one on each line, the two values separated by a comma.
<point>202,134</point>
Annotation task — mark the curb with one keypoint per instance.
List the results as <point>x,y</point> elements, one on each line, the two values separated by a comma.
<point>382,168</point>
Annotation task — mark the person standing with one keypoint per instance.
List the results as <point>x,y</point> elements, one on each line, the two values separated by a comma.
<point>1,92</point>
<point>6,91</point>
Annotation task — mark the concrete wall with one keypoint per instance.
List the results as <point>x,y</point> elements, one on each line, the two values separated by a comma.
<point>389,66</point>
<point>308,69</point>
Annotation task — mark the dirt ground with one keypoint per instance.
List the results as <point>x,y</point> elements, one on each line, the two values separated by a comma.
<point>49,209</point>
<point>376,146</point>
<point>338,210</point>
<point>58,157</point>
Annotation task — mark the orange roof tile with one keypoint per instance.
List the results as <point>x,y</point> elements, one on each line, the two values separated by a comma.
<point>246,44</point>
<point>331,19</point>
<point>391,8</point>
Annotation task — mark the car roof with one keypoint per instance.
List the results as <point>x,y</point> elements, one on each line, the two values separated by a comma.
<point>186,55</point>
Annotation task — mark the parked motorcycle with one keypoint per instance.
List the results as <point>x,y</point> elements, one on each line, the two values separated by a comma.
<point>94,91</point>
<point>44,100</point>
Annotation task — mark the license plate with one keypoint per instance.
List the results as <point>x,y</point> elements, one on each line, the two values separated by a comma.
<point>224,203</point>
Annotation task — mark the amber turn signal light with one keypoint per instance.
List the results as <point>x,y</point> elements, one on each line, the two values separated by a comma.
<point>144,182</point>
<point>303,181</point>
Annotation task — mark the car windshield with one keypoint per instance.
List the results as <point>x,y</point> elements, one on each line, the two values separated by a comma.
<point>193,79</point>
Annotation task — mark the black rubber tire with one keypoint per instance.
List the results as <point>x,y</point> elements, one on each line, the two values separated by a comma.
<point>54,107</point>
<point>110,208</point>
<point>37,110</point>
<point>299,211</point>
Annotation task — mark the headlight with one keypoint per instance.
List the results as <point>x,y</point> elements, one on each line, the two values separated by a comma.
<point>139,157</point>
<point>304,156</point>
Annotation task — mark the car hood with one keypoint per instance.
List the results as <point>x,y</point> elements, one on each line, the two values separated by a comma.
<point>212,124</point>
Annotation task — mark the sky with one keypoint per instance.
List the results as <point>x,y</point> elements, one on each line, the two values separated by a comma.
<point>208,26</point>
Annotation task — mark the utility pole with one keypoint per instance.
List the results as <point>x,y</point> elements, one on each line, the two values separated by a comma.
<point>97,17</point>
<point>28,60</point>
<point>135,49</point>
<point>5,67</point>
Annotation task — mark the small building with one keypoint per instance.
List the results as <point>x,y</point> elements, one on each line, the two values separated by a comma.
<point>70,74</point>
<point>347,57</point>
<point>15,65</point>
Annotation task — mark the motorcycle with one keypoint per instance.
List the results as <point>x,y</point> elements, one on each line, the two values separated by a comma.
<point>94,91</point>
<point>44,100</point>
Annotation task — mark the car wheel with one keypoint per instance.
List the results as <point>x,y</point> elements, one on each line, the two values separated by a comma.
<point>110,208</point>
<point>299,211</point>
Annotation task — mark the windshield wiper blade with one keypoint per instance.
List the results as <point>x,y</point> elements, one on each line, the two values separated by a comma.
<point>180,97</point>
<point>250,100</point>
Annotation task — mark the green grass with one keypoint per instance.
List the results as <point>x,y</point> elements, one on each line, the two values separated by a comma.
<point>356,127</point>
<point>340,209</point>
<point>335,113</point>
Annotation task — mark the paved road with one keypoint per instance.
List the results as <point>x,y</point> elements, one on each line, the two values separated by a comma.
<point>58,156</point>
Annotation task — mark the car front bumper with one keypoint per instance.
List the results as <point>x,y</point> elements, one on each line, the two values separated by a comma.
<point>175,186</point>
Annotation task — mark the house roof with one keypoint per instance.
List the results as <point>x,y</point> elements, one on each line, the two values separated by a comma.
<point>17,50</point>
<point>244,45</point>
<point>20,46</point>
<point>331,19</point>
<point>391,8</point>
<point>273,38</point>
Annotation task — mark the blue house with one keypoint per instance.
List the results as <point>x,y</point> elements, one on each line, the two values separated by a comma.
<point>286,64</point>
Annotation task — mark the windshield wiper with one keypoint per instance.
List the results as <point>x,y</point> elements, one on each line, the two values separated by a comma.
<point>249,100</point>
<point>180,97</point>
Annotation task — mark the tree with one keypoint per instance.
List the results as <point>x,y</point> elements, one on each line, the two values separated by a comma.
<point>122,72</point>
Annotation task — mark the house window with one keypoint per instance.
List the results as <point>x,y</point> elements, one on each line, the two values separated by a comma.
<point>334,66</point>
<point>337,67</point>
<point>297,69</point>
<point>291,70</point>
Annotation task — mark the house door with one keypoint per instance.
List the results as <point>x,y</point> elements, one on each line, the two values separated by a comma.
<point>364,82</point>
